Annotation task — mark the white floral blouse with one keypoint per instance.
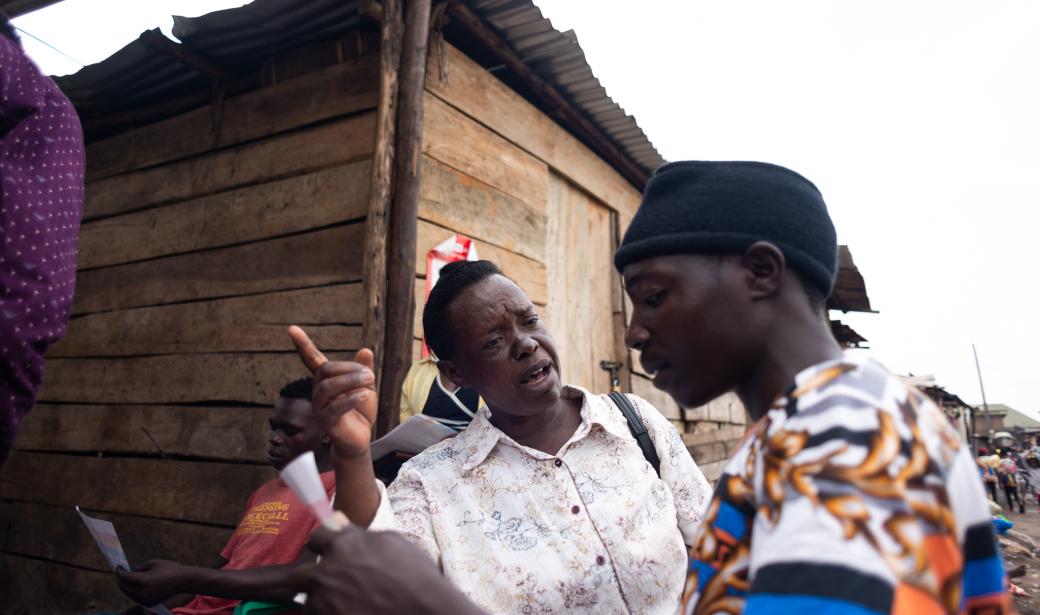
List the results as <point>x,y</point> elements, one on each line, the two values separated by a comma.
<point>591,529</point>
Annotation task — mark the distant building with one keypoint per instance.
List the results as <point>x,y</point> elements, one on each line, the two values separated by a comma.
<point>957,411</point>
<point>1002,417</point>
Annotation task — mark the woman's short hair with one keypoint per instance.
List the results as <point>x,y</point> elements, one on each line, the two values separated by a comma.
<point>454,278</point>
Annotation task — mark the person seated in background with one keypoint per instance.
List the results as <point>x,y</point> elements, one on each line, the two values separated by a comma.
<point>269,541</point>
<point>427,391</point>
<point>546,502</point>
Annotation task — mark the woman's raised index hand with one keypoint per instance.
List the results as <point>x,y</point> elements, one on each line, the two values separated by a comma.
<point>309,353</point>
<point>344,399</point>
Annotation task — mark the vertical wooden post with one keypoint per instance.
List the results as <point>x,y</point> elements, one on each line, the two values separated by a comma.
<point>381,185</point>
<point>620,323</point>
<point>404,213</point>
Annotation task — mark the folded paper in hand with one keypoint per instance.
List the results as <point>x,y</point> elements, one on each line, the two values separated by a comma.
<point>302,477</point>
<point>104,534</point>
<point>413,436</point>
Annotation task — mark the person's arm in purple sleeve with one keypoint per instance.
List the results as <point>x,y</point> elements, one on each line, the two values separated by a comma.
<point>41,204</point>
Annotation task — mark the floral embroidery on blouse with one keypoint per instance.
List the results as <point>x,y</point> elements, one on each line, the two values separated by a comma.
<point>590,529</point>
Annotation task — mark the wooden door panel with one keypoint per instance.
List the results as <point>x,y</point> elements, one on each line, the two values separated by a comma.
<point>581,278</point>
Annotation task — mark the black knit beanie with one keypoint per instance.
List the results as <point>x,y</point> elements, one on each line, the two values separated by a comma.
<point>695,207</point>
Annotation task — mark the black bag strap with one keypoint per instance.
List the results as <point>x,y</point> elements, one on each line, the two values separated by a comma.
<point>638,429</point>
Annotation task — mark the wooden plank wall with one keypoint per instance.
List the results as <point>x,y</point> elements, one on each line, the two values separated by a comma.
<point>490,162</point>
<point>200,244</point>
<point>499,170</point>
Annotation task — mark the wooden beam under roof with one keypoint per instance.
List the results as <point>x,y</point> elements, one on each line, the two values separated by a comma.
<point>846,335</point>
<point>850,291</point>
<point>194,61</point>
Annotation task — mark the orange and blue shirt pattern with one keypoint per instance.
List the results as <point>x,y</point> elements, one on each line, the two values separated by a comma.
<point>852,495</point>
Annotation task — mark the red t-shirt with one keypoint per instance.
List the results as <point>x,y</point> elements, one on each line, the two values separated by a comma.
<point>273,531</point>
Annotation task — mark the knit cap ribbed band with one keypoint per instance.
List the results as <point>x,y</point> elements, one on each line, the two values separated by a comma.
<point>697,207</point>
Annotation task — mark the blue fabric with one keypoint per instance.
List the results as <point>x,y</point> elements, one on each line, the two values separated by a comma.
<point>983,577</point>
<point>768,604</point>
<point>1002,525</point>
<point>704,573</point>
<point>731,520</point>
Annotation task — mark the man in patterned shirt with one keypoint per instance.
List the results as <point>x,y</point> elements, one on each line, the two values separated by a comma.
<point>851,493</point>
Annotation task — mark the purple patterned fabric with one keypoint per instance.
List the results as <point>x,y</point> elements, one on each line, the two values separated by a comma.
<point>41,203</point>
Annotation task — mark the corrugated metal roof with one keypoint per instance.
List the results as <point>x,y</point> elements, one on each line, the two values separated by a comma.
<point>236,40</point>
<point>242,38</point>
<point>558,58</point>
<point>941,395</point>
<point>135,75</point>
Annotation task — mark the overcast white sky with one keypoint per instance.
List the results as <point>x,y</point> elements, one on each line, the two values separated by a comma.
<point>918,120</point>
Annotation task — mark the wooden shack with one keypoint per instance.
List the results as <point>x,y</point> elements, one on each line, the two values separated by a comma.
<point>293,161</point>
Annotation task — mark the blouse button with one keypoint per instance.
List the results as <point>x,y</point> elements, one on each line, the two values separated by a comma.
<point>600,560</point>
<point>575,509</point>
<point>558,462</point>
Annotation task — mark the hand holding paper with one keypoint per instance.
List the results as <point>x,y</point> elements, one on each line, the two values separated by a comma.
<point>302,477</point>
<point>152,582</point>
<point>104,534</point>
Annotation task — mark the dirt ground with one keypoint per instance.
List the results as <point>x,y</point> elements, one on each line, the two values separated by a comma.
<point>1016,552</point>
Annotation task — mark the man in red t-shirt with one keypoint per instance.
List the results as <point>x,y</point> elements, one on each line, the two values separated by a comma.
<point>269,541</point>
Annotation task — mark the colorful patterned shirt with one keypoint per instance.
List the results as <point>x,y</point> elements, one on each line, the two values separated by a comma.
<point>591,529</point>
<point>41,202</point>
<point>852,495</point>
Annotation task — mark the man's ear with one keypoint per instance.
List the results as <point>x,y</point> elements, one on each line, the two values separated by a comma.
<point>447,369</point>
<point>765,266</point>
